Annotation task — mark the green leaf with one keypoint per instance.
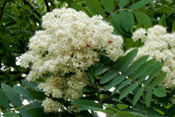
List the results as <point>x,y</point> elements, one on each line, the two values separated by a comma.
<point>26,7</point>
<point>158,79</point>
<point>35,104</point>
<point>159,92</point>
<point>131,20</point>
<point>86,104</point>
<point>123,84</point>
<point>142,69</point>
<point>153,74</point>
<point>128,114</point>
<point>11,114</point>
<point>109,111</point>
<point>173,27</point>
<point>148,97</point>
<point>24,92</point>
<point>123,3</point>
<point>109,5</point>
<point>124,20</point>
<point>115,19</point>
<point>15,10</point>
<point>23,112</point>
<point>122,106</point>
<point>143,19</point>
<point>162,20</point>
<point>81,8</point>
<point>91,74</point>
<point>137,96</point>
<point>95,7</point>
<point>32,85</point>
<point>108,77</point>
<point>114,82</point>
<point>126,60</point>
<point>135,65</point>
<point>128,90</point>
<point>3,100</point>
<point>139,4</point>
<point>37,95</point>
<point>36,112</point>
<point>101,70</point>
<point>105,60</point>
<point>12,95</point>
<point>149,71</point>
<point>89,89</point>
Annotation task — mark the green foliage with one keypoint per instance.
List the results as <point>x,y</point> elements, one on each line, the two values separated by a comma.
<point>12,95</point>
<point>109,5</point>
<point>128,78</point>
<point>143,19</point>
<point>137,91</point>
<point>163,20</point>
<point>87,104</point>
<point>95,7</point>
<point>123,3</point>
<point>139,4</point>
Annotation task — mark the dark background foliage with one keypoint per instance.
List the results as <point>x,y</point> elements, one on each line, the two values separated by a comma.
<point>19,19</point>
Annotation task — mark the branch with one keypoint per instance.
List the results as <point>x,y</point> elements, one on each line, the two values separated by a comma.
<point>47,6</point>
<point>30,5</point>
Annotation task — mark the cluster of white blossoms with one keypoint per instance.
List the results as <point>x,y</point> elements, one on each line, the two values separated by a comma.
<point>160,45</point>
<point>69,43</point>
<point>65,87</point>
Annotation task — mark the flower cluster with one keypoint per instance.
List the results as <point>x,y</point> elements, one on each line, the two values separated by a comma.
<point>160,45</point>
<point>65,87</point>
<point>69,44</point>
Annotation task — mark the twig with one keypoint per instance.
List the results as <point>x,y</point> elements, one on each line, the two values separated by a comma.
<point>30,5</point>
<point>47,6</point>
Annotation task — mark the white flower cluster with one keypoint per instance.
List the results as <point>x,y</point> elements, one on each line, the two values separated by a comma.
<point>160,45</point>
<point>50,105</point>
<point>65,87</point>
<point>69,44</point>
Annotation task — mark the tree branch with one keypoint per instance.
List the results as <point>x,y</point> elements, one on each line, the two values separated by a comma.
<point>47,5</point>
<point>30,5</point>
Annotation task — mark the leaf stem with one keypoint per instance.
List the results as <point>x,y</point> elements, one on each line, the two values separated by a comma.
<point>118,11</point>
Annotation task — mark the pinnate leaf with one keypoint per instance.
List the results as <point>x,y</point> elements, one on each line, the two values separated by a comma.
<point>114,82</point>
<point>143,19</point>
<point>86,104</point>
<point>4,102</point>
<point>159,92</point>
<point>148,97</point>
<point>139,4</point>
<point>137,95</point>
<point>109,5</point>
<point>128,90</point>
<point>108,77</point>
<point>123,3</point>
<point>12,95</point>
<point>158,79</point>
<point>95,7</point>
